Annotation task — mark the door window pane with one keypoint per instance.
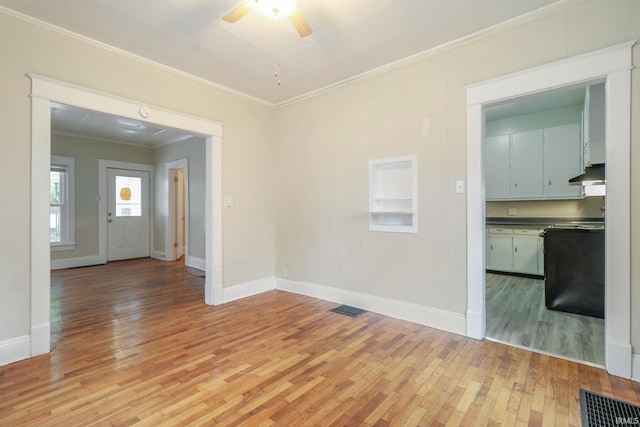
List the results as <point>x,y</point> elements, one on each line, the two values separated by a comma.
<point>128,196</point>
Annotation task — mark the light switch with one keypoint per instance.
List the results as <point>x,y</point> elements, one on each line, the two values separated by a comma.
<point>459,186</point>
<point>228,202</point>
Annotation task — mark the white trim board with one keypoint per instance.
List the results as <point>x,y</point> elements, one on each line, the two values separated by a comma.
<point>44,90</point>
<point>635,367</point>
<point>419,314</point>
<point>193,262</point>
<point>85,261</point>
<point>248,289</point>
<point>612,65</point>
<point>15,349</point>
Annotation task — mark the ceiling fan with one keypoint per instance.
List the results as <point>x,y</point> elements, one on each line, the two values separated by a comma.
<point>273,7</point>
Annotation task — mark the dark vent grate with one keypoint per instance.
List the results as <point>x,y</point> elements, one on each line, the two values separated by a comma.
<point>602,411</point>
<point>348,310</point>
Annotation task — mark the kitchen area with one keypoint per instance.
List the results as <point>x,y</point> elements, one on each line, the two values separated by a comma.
<point>545,193</point>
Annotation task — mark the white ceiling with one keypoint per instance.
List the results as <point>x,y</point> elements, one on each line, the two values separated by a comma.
<point>537,102</point>
<point>350,36</point>
<point>75,121</point>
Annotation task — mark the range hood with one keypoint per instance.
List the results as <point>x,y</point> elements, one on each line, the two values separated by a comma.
<point>593,175</point>
<point>592,180</point>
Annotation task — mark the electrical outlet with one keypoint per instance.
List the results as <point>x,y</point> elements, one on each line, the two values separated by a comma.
<point>512,211</point>
<point>284,272</point>
<point>228,202</point>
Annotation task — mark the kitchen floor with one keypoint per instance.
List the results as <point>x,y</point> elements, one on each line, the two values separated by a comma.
<point>516,315</point>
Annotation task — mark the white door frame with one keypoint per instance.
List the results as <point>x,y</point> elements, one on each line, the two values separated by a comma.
<point>43,91</point>
<point>170,252</point>
<point>612,65</point>
<point>103,165</point>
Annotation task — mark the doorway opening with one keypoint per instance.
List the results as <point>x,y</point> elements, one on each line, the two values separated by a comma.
<point>613,66</point>
<point>44,92</point>
<point>177,228</point>
<point>533,147</point>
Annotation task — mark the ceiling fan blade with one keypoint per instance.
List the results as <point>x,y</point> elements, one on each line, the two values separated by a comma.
<point>239,12</point>
<point>301,25</point>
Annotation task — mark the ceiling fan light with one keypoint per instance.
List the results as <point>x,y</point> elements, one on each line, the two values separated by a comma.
<point>274,8</point>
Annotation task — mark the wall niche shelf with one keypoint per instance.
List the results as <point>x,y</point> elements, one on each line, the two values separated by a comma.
<point>393,195</point>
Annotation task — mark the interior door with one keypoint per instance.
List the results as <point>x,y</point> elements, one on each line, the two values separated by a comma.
<point>127,214</point>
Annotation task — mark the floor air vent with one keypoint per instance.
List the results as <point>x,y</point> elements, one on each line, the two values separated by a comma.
<point>348,310</point>
<point>602,411</point>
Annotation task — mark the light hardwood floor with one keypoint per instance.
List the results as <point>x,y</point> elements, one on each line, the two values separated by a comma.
<point>516,314</point>
<point>134,343</point>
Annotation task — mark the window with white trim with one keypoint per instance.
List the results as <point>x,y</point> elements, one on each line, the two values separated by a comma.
<point>61,203</point>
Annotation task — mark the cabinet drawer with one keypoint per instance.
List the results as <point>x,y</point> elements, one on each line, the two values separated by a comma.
<point>526,231</point>
<point>492,230</point>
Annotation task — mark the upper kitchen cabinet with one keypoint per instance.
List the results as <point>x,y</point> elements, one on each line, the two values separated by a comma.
<point>533,165</point>
<point>562,152</point>
<point>594,125</point>
<point>526,165</point>
<point>534,145</point>
<point>497,155</point>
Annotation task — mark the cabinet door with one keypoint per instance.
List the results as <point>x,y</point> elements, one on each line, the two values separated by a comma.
<point>526,161</point>
<point>525,253</point>
<point>497,165</point>
<point>500,252</point>
<point>562,161</point>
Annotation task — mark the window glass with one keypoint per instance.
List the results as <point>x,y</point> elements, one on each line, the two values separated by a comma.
<point>61,203</point>
<point>56,201</point>
<point>128,196</point>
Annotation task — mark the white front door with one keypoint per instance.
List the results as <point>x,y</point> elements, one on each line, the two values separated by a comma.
<point>127,214</point>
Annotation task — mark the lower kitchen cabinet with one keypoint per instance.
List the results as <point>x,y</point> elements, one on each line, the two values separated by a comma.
<point>514,250</point>
<point>500,254</point>
<point>525,251</point>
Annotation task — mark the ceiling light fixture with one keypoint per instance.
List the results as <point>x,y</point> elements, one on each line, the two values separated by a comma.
<point>274,8</point>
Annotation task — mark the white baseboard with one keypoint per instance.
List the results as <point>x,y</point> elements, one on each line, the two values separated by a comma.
<point>422,315</point>
<point>85,261</point>
<point>15,349</point>
<point>162,256</point>
<point>619,359</point>
<point>248,289</point>
<point>475,328</point>
<point>40,339</point>
<point>635,367</point>
<point>193,262</point>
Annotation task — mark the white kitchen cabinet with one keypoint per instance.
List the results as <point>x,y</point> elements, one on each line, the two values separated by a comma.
<point>393,195</point>
<point>527,165</point>
<point>535,165</point>
<point>594,125</point>
<point>525,251</point>
<point>562,161</point>
<point>514,250</point>
<point>500,256</point>
<point>497,155</point>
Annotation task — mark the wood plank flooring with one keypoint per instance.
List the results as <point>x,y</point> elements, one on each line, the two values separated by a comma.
<point>134,343</point>
<point>516,314</point>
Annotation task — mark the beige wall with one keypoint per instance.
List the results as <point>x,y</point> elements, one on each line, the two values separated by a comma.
<point>324,142</point>
<point>247,151</point>
<point>87,153</point>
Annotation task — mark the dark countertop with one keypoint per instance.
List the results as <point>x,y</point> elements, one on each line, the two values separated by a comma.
<point>546,222</point>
